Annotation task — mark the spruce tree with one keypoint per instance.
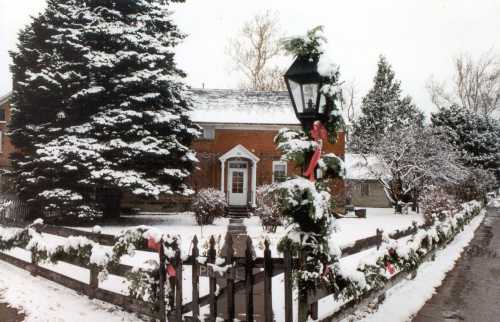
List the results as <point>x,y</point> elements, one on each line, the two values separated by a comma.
<point>383,109</point>
<point>99,106</point>
<point>476,136</point>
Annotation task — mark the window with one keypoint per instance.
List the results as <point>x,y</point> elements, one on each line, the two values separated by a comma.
<point>279,171</point>
<point>237,182</point>
<point>2,114</point>
<point>208,133</point>
<point>365,189</point>
<point>237,165</point>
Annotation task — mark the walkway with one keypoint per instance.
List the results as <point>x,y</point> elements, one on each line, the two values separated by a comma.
<point>471,291</point>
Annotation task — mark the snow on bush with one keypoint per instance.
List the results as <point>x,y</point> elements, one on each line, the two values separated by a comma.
<point>436,201</point>
<point>268,208</point>
<point>476,185</point>
<point>208,204</point>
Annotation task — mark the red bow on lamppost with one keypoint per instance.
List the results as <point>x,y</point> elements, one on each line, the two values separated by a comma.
<point>320,135</point>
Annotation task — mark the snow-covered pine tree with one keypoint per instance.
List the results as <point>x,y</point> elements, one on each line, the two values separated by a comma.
<point>99,106</point>
<point>383,109</point>
<point>476,136</point>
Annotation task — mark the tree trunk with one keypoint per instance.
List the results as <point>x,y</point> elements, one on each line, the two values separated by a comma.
<point>110,200</point>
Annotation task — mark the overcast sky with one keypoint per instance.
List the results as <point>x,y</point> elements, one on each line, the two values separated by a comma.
<point>419,37</point>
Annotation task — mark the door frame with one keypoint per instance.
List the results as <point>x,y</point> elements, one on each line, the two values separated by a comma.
<point>244,170</point>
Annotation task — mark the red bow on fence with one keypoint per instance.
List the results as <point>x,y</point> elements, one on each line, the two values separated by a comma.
<point>319,134</point>
<point>154,245</point>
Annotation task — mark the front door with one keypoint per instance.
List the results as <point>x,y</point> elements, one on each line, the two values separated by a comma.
<point>238,184</point>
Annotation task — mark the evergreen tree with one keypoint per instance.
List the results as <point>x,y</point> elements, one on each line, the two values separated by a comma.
<point>383,110</point>
<point>477,136</point>
<point>99,106</point>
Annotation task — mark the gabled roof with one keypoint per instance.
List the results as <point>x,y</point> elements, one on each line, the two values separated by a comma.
<point>361,168</point>
<point>242,107</point>
<point>5,98</point>
<point>239,151</point>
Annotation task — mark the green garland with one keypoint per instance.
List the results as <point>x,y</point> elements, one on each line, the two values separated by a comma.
<point>425,240</point>
<point>143,281</point>
<point>306,206</point>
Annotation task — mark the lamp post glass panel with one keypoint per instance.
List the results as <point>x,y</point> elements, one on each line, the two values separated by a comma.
<point>304,84</point>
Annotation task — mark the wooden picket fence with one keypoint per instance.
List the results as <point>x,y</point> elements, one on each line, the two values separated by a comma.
<point>12,210</point>
<point>246,271</point>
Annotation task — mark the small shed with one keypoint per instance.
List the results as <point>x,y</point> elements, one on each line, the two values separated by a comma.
<point>363,189</point>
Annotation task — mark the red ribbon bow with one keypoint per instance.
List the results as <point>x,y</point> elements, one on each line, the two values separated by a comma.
<point>319,134</point>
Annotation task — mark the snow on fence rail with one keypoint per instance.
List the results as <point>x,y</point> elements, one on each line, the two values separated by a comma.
<point>240,275</point>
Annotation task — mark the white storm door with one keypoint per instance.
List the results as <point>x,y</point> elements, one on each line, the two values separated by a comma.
<point>238,187</point>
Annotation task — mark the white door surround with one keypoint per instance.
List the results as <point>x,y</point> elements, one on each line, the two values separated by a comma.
<point>241,152</point>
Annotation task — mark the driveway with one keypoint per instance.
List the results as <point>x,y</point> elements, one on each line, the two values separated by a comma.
<point>471,291</point>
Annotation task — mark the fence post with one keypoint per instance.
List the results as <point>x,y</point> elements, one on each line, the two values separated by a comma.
<point>196,280</point>
<point>380,238</point>
<point>268,274</point>
<point>288,285</point>
<point>94,280</point>
<point>33,268</point>
<point>212,282</point>
<point>230,280</point>
<point>249,280</point>
<point>178,286</point>
<point>303,306</point>
<point>161,293</point>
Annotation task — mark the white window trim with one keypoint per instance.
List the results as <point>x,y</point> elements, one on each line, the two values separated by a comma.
<point>280,163</point>
<point>211,130</point>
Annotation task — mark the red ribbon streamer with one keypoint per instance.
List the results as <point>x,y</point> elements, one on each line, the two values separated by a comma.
<point>319,134</point>
<point>152,244</point>
<point>171,270</point>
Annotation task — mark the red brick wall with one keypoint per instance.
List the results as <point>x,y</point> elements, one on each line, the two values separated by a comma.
<point>7,147</point>
<point>260,143</point>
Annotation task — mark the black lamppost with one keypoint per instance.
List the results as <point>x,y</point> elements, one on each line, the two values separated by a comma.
<point>304,84</point>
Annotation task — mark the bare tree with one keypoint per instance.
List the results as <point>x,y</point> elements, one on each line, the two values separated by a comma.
<point>254,52</point>
<point>475,85</point>
<point>350,100</point>
<point>410,157</point>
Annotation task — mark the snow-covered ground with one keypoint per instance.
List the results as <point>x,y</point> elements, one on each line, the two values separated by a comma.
<point>406,298</point>
<point>348,229</point>
<point>58,298</point>
<point>45,301</point>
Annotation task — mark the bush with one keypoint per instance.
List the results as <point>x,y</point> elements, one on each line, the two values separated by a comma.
<point>268,208</point>
<point>207,205</point>
<point>436,201</point>
<point>476,186</point>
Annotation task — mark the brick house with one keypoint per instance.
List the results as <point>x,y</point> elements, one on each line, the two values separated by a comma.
<point>236,151</point>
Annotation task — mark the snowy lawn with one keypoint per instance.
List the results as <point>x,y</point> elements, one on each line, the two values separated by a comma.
<point>183,224</point>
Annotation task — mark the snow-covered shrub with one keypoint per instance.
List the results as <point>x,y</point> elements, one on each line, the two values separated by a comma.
<point>207,205</point>
<point>436,201</point>
<point>268,208</point>
<point>476,186</point>
<point>294,145</point>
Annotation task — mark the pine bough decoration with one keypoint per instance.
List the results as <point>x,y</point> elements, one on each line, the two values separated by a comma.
<point>307,206</point>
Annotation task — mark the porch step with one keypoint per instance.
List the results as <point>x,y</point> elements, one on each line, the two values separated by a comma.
<point>237,212</point>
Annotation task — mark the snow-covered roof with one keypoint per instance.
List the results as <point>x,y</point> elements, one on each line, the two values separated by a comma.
<point>5,98</point>
<point>361,168</point>
<point>242,107</point>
